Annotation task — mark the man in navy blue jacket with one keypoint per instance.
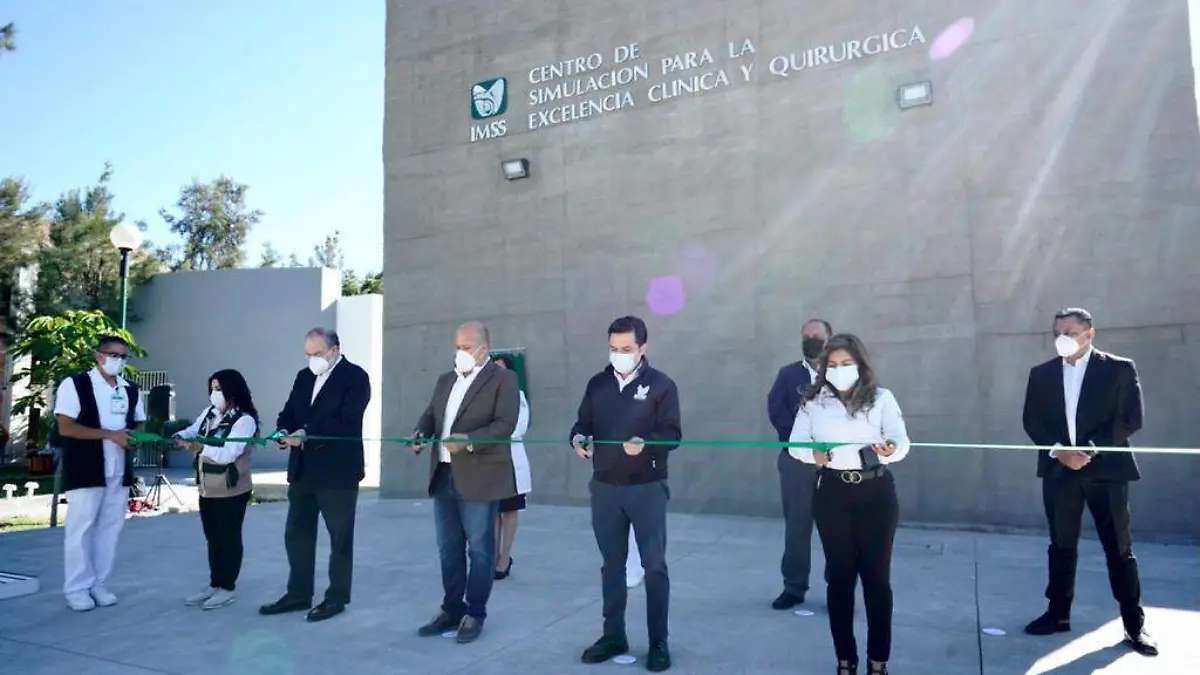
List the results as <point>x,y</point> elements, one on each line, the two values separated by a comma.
<point>795,477</point>
<point>623,407</point>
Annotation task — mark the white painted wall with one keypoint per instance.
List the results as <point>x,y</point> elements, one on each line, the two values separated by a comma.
<point>360,328</point>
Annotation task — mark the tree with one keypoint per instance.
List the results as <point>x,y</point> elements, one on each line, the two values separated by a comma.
<point>270,257</point>
<point>329,255</point>
<point>294,261</point>
<point>58,347</point>
<point>8,35</point>
<point>79,268</point>
<point>214,222</point>
<point>22,233</point>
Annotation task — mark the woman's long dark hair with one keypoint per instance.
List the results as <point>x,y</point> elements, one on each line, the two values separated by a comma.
<point>236,391</point>
<point>862,395</point>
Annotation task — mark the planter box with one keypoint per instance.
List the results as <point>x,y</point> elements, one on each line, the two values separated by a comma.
<point>16,585</point>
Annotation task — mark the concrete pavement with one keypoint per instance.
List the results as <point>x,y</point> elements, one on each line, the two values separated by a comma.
<point>724,572</point>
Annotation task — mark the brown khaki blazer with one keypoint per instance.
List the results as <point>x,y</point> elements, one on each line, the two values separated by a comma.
<point>489,410</point>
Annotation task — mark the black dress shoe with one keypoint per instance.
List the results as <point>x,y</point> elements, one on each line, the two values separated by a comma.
<point>604,649</point>
<point>504,574</point>
<point>285,605</point>
<point>1142,643</point>
<point>326,610</point>
<point>659,658</point>
<point>469,629</point>
<point>1048,624</point>
<point>438,625</point>
<point>787,600</point>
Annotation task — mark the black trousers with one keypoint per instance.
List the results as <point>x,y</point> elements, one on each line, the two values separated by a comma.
<point>1064,496</point>
<point>222,519</point>
<point>796,482</point>
<point>857,525</point>
<point>337,508</point>
<point>614,509</point>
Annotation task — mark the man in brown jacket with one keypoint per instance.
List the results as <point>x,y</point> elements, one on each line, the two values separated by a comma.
<point>477,402</point>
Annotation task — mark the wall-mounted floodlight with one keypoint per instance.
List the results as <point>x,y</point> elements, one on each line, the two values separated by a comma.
<point>515,168</point>
<point>914,95</point>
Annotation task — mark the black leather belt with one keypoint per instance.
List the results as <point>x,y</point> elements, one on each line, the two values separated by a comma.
<point>852,477</point>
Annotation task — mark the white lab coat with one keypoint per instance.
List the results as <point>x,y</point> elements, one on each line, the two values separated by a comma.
<point>520,460</point>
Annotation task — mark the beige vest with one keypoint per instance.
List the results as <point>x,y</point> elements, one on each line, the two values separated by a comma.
<point>214,485</point>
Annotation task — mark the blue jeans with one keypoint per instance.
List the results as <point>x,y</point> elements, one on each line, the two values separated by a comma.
<point>464,526</point>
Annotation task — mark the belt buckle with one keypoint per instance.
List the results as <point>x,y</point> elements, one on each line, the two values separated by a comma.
<point>852,477</point>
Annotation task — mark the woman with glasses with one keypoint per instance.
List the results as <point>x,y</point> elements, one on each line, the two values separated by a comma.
<point>854,503</point>
<point>223,476</point>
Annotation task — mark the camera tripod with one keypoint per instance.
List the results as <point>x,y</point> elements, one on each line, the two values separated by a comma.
<point>153,498</point>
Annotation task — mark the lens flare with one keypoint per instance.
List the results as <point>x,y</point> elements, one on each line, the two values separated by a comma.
<point>666,295</point>
<point>951,39</point>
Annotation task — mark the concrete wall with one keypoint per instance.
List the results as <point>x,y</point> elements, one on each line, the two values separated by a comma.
<point>254,320</point>
<point>1056,166</point>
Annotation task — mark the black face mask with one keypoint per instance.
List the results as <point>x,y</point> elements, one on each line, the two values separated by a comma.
<point>812,347</point>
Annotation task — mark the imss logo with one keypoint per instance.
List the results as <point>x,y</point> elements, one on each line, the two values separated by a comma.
<point>489,101</point>
<point>489,98</point>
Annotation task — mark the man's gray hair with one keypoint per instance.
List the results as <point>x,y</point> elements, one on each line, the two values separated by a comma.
<point>485,337</point>
<point>329,336</point>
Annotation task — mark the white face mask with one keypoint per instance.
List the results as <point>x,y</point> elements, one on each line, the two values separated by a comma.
<point>318,365</point>
<point>1066,345</point>
<point>113,366</point>
<point>464,361</point>
<point>623,363</point>
<point>842,377</point>
<point>217,398</point>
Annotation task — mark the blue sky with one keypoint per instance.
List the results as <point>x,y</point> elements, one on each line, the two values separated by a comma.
<point>285,96</point>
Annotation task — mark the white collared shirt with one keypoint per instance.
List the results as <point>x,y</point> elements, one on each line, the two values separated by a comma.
<point>1072,385</point>
<point>243,427</point>
<point>825,420</point>
<point>457,393</point>
<point>623,381</point>
<point>812,372</point>
<point>112,402</point>
<point>323,378</point>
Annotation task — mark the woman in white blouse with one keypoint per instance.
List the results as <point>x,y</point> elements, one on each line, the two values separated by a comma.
<point>506,521</point>
<point>223,478</point>
<point>854,504</point>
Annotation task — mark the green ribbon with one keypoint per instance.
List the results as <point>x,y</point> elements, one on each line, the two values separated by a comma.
<point>142,437</point>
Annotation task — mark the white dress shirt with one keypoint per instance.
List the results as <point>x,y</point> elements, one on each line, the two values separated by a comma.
<point>1072,384</point>
<point>323,378</point>
<point>208,421</point>
<point>457,393</point>
<point>113,403</point>
<point>624,380</point>
<point>825,420</point>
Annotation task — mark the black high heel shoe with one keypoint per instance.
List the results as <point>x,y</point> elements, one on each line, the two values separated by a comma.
<point>503,575</point>
<point>847,668</point>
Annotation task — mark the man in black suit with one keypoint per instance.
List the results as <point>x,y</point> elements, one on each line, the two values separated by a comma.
<point>477,403</point>
<point>1078,404</point>
<point>328,399</point>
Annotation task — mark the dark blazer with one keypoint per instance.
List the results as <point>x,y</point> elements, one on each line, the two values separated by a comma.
<point>783,401</point>
<point>337,411</point>
<point>489,410</point>
<point>1109,412</point>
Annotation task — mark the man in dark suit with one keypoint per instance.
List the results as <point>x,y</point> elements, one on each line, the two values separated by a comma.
<point>796,478</point>
<point>1078,404</point>
<point>328,399</point>
<point>473,411</point>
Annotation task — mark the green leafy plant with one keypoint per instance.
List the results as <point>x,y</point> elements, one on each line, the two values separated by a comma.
<point>59,347</point>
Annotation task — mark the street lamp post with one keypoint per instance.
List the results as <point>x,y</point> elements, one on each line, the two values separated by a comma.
<point>127,238</point>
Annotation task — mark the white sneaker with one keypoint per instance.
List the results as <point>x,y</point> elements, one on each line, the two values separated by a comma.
<point>634,580</point>
<point>80,601</point>
<point>219,599</point>
<point>102,597</point>
<point>199,598</point>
